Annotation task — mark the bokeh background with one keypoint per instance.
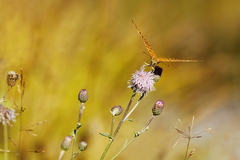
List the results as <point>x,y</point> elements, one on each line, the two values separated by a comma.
<point>64,46</point>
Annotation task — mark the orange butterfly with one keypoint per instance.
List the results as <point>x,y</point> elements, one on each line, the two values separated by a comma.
<point>154,59</point>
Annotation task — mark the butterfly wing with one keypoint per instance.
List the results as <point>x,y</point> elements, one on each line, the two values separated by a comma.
<point>154,59</point>
<point>149,48</point>
<point>159,60</point>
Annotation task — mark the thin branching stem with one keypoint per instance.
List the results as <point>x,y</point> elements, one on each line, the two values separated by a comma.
<point>74,134</point>
<point>124,147</point>
<point>124,115</point>
<point>5,139</point>
<point>112,125</point>
<point>7,92</point>
<point>134,107</point>
<point>187,148</point>
<point>20,134</point>
<point>118,127</point>
<point>134,138</point>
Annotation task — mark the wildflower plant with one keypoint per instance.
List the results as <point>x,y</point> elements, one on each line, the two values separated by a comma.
<point>67,142</point>
<point>8,115</point>
<point>187,134</point>
<point>141,82</point>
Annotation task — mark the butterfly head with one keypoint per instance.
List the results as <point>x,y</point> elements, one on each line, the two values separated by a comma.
<point>153,62</point>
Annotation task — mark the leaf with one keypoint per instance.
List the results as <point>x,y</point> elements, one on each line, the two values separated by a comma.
<point>105,135</point>
<point>129,120</point>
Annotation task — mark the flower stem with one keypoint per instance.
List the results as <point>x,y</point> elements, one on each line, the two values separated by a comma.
<point>61,154</point>
<point>124,147</point>
<point>74,134</point>
<point>80,113</point>
<point>187,148</point>
<point>148,123</point>
<point>5,140</point>
<point>124,115</point>
<point>134,107</point>
<point>106,149</point>
<point>135,137</point>
<point>112,126</point>
<point>7,92</point>
<point>118,127</point>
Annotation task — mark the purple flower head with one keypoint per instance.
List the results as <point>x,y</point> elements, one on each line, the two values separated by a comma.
<point>142,82</point>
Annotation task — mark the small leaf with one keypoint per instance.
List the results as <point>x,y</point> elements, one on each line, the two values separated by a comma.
<point>105,135</point>
<point>129,120</point>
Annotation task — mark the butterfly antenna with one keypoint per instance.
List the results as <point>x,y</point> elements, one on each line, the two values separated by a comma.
<point>166,64</point>
<point>146,53</point>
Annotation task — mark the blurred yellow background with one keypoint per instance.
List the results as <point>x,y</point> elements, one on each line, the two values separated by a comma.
<point>65,46</point>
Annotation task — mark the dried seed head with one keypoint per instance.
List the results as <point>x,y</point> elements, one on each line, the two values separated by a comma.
<point>83,96</point>
<point>12,78</point>
<point>158,108</point>
<point>116,110</point>
<point>82,146</point>
<point>66,144</point>
<point>191,153</point>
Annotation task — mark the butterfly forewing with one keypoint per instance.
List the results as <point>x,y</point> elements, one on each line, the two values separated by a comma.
<point>149,48</point>
<point>154,59</point>
<point>159,60</point>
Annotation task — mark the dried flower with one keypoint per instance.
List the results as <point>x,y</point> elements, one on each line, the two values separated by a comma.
<point>188,135</point>
<point>7,115</point>
<point>158,108</point>
<point>12,78</point>
<point>116,110</point>
<point>66,144</point>
<point>142,82</point>
<point>82,146</point>
<point>83,96</point>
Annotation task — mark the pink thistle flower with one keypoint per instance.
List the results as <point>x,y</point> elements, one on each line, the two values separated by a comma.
<point>142,82</point>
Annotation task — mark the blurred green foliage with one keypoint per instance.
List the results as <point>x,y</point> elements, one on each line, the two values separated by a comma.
<point>64,46</point>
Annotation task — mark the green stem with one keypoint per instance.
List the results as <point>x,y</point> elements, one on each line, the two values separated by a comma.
<point>74,134</point>
<point>106,149</point>
<point>118,127</point>
<point>7,92</point>
<point>74,143</point>
<point>135,137</point>
<point>134,107</point>
<point>20,134</point>
<point>124,115</point>
<point>112,126</point>
<point>148,123</point>
<point>124,147</point>
<point>5,139</point>
<point>187,148</point>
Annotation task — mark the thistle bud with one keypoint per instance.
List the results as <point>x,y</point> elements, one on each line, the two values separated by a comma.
<point>83,96</point>
<point>82,146</point>
<point>66,144</point>
<point>158,108</point>
<point>116,110</point>
<point>12,78</point>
